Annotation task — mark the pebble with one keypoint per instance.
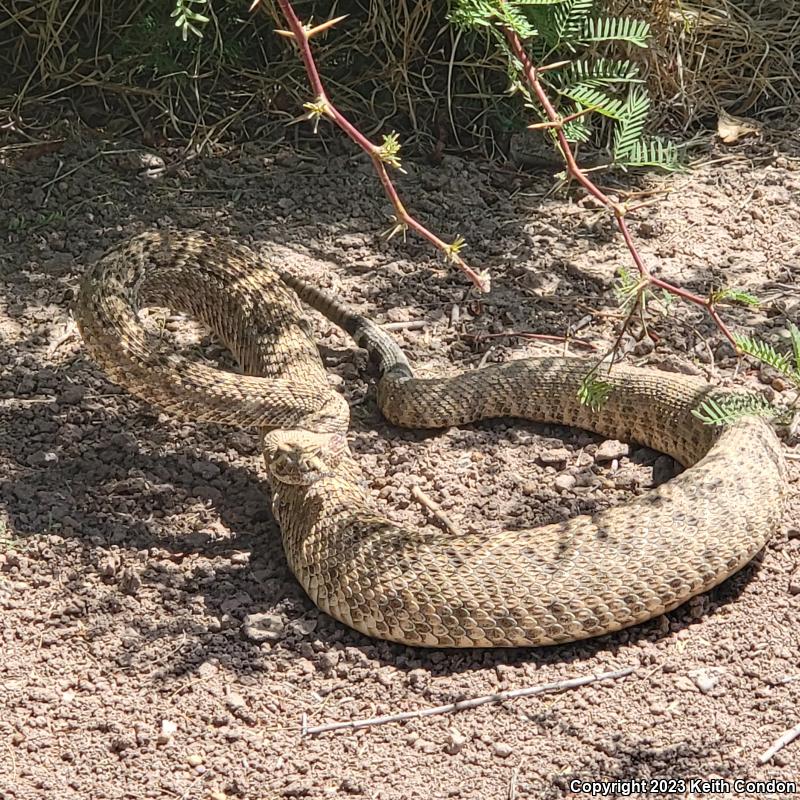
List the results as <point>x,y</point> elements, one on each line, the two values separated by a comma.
<point>168,730</point>
<point>304,627</point>
<point>794,583</point>
<point>611,449</point>
<point>554,458</point>
<point>455,742</point>
<point>565,483</point>
<point>264,627</point>
<point>705,679</point>
<point>194,760</point>
<point>41,458</point>
<point>206,469</point>
<point>71,395</point>
<point>502,750</point>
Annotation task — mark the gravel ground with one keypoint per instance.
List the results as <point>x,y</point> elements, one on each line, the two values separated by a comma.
<point>154,644</point>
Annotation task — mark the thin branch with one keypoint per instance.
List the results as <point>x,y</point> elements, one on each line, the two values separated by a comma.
<point>780,743</point>
<point>462,705</point>
<point>379,155</point>
<point>540,337</point>
<point>435,510</point>
<point>556,123</point>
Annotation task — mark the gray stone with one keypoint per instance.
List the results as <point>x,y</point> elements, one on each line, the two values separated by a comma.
<point>611,449</point>
<point>264,627</point>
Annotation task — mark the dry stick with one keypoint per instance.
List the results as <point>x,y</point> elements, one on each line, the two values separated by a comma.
<point>780,743</point>
<point>322,106</point>
<point>541,337</point>
<point>619,210</point>
<point>435,509</point>
<point>474,702</point>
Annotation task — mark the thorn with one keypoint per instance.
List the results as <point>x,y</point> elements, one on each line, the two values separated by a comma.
<point>286,34</point>
<point>555,65</point>
<point>541,126</point>
<point>578,115</point>
<point>324,26</point>
<point>397,227</point>
<point>254,5</point>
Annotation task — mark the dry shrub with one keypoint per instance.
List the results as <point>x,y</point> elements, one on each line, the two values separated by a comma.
<point>391,65</point>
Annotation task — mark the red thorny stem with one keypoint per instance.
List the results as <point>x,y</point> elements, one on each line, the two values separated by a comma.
<point>323,106</point>
<point>619,210</point>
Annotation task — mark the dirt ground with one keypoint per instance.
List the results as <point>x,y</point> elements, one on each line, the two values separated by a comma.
<point>154,643</point>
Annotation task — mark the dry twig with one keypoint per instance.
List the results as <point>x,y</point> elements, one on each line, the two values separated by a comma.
<point>435,509</point>
<point>780,743</point>
<point>462,705</point>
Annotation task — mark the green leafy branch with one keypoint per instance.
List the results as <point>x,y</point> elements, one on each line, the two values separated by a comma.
<point>735,406</point>
<point>187,19</point>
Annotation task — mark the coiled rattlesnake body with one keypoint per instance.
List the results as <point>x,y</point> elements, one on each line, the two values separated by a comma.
<point>561,582</point>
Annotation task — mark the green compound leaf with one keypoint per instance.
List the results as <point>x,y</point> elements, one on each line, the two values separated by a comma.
<point>594,391</point>
<point>628,133</point>
<point>731,295</point>
<point>733,407</point>
<point>616,29</point>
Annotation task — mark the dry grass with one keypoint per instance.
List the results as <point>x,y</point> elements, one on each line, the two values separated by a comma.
<point>391,65</point>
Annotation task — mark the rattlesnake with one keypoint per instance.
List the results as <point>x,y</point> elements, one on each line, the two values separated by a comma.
<point>565,581</point>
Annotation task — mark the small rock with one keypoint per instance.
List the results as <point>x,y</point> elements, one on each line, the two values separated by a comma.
<point>565,483</point>
<point>41,458</point>
<point>705,679</point>
<point>264,627</point>
<point>71,395</point>
<point>206,469</point>
<point>502,750</point>
<point>455,742</point>
<point>194,760</point>
<point>611,449</point>
<point>794,583</point>
<point>685,684</point>
<point>235,701</point>
<point>207,493</point>
<point>129,582</point>
<point>297,789</point>
<point>168,730</point>
<point>304,626</point>
<point>350,786</point>
<point>554,458</point>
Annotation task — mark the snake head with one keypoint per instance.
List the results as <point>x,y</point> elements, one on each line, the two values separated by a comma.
<point>302,457</point>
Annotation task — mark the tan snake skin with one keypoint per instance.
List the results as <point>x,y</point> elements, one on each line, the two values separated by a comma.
<point>566,581</point>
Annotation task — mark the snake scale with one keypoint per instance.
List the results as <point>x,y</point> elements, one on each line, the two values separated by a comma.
<point>582,577</point>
